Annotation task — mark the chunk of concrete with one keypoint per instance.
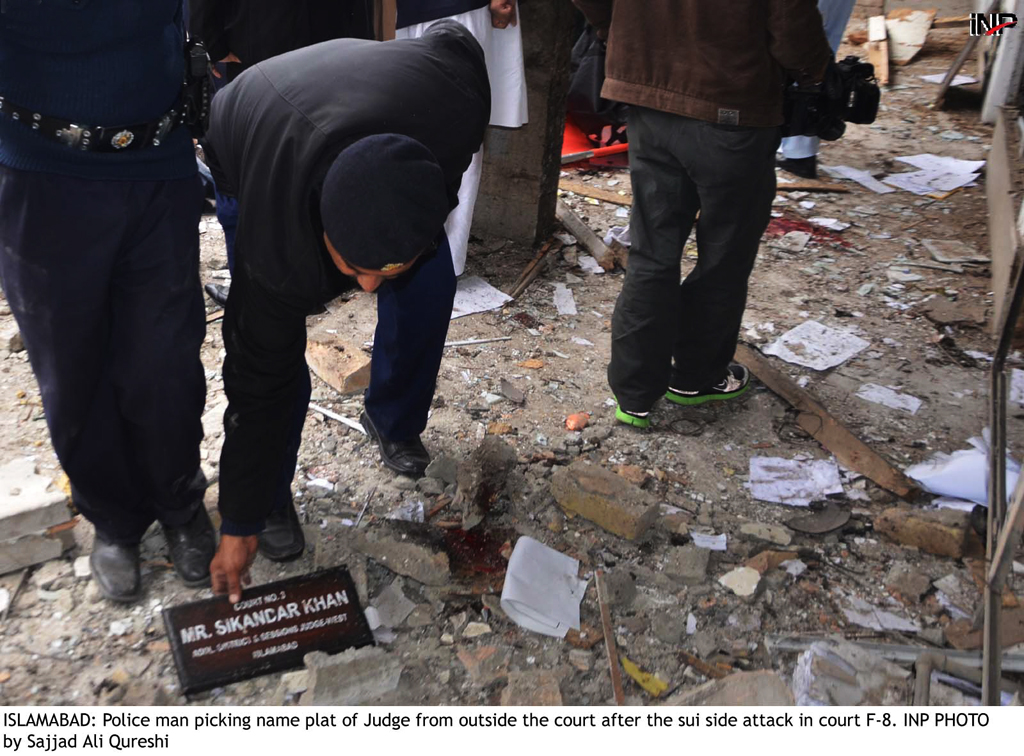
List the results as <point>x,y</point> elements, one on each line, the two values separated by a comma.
<point>604,498</point>
<point>740,689</point>
<point>837,673</point>
<point>908,582</point>
<point>742,581</point>
<point>483,478</point>
<point>356,676</point>
<point>761,531</point>
<point>342,366</point>
<point>29,503</point>
<point>942,532</point>
<point>404,556</point>
<point>620,587</point>
<point>687,564</point>
<point>533,688</point>
<point>10,339</point>
<point>29,550</point>
<point>392,605</point>
<point>484,664</point>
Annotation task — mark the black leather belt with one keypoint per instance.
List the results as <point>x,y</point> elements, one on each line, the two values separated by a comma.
<point>94,138</point>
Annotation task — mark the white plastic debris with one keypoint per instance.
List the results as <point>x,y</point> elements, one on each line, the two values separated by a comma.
<point>889,397</point>
<point>710,541</point>
<point>564,301</point>
<point>618,234</point>
<point>590,265</point>
<point>816,346</point>
<point>792,481</point>
<point>542,592</point>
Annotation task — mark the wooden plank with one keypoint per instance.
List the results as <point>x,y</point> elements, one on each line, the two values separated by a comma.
<point>952,22</point>
<point>828,431</point>
<point>609,641</point>
<point>878,55</point>
<point>214,316</point>
<point>585,236</point>
<point>1002,227</point>
<point>810,185</point>
<point>596,192</point>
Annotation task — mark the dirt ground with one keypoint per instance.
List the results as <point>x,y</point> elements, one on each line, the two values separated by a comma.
<point>61,644</point>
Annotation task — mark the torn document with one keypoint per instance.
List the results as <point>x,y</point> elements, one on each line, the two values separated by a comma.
<point>542,592</point>
<point>792,481</point>
<point>943,164</point>
<point>889,397</point>
<point>924,183</point>
<point>963,474</point>
<point>564,301</point>
<point>475,295</point>
<point>815,346</point>
<point>959,80</point>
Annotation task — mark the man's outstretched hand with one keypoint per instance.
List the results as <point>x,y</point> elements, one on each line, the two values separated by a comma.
<point>503,13</point>
<point>229,570</point>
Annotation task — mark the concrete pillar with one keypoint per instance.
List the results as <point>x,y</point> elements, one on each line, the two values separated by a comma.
<point>521,166</point>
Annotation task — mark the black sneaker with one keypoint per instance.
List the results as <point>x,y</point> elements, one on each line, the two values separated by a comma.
<point>735,383</point>
<point>803,167</point>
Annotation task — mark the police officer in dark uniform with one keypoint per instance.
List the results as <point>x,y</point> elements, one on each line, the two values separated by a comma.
<point>346,158</point>
<point>99,261</point>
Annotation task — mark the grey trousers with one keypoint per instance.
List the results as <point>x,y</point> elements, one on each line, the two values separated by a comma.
<point>684,335</point>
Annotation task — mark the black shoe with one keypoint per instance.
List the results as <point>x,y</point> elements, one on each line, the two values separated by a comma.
<point>192,547</point>
<point>282,538</point>
<point>803,167</point>
<point>217,292</point>
<point>115,568</point>
<point>404,457</point>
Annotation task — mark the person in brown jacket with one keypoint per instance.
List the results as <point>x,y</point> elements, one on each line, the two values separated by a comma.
<point>705,82</point>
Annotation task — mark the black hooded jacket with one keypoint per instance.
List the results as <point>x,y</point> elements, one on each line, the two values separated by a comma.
<point>274,132</point>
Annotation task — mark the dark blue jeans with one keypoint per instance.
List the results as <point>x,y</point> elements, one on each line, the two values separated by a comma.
<point>103,279</point>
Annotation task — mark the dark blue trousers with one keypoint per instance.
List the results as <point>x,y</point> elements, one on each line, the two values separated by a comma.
<point>103,279</point>
<point>413,314</point>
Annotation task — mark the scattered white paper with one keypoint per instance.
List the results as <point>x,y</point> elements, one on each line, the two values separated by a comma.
<point>943,164</point>
<point>710,541</point>
<point>815,346</point>
<point>564,301</point>
<point>582,342</point>
<point>864,178</point>
<point>808,205</point>
<point>958,81</point>
<point>832,224</point>
<point>962,474</point>
<point>890,398</point>
<point>947,502</point>
<point>475,295</point>
<point>618,234</point>
<point>590,265</point>
<point>542,592</point>
<point>410,511</point>
<point>860,612</point>
<point>792,481</point>
<point>930,182</point>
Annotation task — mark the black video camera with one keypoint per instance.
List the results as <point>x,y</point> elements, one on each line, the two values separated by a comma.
<point>195,92</point>
<point>848,94</point>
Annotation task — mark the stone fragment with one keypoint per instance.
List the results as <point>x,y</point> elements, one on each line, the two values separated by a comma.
<point>421,616</point>
<point>26,551</point>
<point>476,629</point>
<point>482,479</point>
<point>942,532</point>
<point>122,627</point>
<point>29,503</point>
<point>605,499</point>
<point>533,688</point>
<point>837,673</point>
<point>82,568</point>
<point>48,574</point>
<point>342,366</point>
<point>668,626</point>
<point>484,664</point>
<point>511,392</point>
<point>764,532</point>
<point>687,564</point>
<point>739,689</point>
<point>909,583</point>
<point>404,557</point>
<point>767,561</point>
<point>10,339</point>
<point>392,605</point>
<point>430,486</point>
<point>621,588</point>
<point>632,473</point>
<point>742,581</point>
<point>580,659</point>
<point>443,468</point>
<point>355,676</point>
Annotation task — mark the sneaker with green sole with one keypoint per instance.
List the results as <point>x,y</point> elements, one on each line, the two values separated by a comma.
<point>635,419</point>
<point>735,383</point>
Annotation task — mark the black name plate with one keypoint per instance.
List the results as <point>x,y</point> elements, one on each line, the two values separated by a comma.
<point>269,630</point>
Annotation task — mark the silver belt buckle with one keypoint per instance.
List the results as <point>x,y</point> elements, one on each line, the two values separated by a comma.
<point>75,136</point>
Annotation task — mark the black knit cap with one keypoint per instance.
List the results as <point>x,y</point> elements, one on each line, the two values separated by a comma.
<point>384,201</point>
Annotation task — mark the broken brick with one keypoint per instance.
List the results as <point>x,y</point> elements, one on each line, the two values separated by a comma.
<point>605,499</point>
<point>942,532</point>
<point>532,688</point>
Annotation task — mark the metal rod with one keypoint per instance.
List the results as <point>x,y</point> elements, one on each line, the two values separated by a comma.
<point>609,641</point>
<point>365,505</point>
<point>473,342</point>
<point>335,416</point>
